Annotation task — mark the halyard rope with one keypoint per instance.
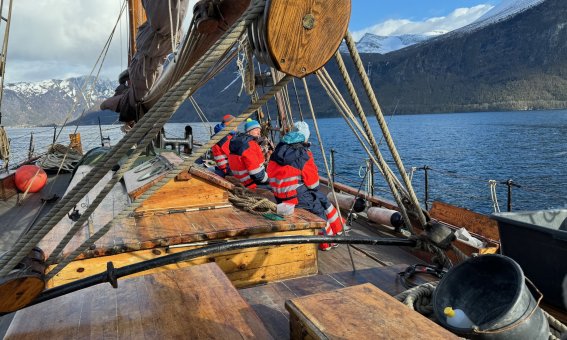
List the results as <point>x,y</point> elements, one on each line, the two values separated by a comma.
<point>381,162</point>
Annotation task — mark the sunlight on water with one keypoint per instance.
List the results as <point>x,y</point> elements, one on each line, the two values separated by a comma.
<point>464,152</point>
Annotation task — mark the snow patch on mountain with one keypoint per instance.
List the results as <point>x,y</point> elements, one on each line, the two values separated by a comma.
<point>503,11</point>
<point>372,43</point>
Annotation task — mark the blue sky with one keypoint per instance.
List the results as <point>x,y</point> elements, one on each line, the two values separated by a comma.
<point>366,13</point>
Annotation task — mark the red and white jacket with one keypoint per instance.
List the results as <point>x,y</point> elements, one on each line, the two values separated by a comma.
<point>220,153</point>
<point>291,168</point>
<point>246,160</point>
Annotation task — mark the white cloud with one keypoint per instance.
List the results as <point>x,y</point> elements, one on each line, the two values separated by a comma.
<point>63,38</point>
<point>458,18</point>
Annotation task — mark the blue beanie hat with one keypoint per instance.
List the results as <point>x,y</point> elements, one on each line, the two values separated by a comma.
<point>218,128</point>
<point>251,124</point>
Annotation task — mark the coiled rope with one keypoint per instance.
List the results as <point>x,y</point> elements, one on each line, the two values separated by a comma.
<point>60,157</point>
<point>419,298</point>
<point>256,205</point>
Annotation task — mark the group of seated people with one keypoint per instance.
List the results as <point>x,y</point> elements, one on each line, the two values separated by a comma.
<point>291,172</point>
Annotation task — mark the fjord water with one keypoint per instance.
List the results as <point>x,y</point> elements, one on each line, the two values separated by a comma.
<point>463,150</point>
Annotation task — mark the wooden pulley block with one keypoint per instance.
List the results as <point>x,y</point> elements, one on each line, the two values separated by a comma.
<point>303,35</point>
<point>23,284</point>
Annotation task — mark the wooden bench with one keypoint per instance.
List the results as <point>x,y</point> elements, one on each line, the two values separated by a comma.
<point>358,312</point>
<point>197,302</point>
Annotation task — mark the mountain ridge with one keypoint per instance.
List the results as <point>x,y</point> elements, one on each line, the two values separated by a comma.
<point>510,60</point>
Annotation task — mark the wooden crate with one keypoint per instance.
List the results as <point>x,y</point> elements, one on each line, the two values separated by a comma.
<point>7,185</point>
<point>358,312</point>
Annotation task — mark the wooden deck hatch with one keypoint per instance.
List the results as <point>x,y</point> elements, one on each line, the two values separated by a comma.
<point>197,302</point>
<point>358,312</point>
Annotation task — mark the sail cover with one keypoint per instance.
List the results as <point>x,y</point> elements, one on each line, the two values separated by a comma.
<point>154,43</point>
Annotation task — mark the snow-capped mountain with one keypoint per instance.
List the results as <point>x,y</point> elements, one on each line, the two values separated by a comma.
<point>504,10</point>
<point>371,43</point>
<point>52,101</point>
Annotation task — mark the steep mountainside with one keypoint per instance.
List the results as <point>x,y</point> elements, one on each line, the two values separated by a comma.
<point>50,101</point>
<point>517,63</point>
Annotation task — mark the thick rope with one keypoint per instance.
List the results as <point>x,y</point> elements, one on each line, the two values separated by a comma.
<point>556,328</point>
<point>439,256</point>
<point>381,162</point>
<point>382,122</point>
<point>4,146</point>
<point>494,196</point>
<point>142,134</point>
<point>176,171</point>
<point>419,298</point>
<point>246,201</point>
<point>337,98</point>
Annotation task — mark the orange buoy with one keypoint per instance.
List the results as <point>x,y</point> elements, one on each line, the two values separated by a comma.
<point>31,176</point>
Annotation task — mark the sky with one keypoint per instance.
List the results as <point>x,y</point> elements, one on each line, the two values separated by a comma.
<point>58,39</point>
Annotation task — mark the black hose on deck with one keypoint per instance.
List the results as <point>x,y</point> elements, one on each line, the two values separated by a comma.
<point>113,274</point>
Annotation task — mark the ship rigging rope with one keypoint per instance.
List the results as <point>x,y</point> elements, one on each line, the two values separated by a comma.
<point>141,134</point>
<point>494,196</point>
<point>337,98</point>
<point>191,76</point>
<point>172,174</point>
<point>324,155</point>
<point>388,176</point>
<point>4,146</point>
<point>381,121</point>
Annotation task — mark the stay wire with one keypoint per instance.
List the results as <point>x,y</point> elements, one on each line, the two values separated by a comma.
<point>310,104</point>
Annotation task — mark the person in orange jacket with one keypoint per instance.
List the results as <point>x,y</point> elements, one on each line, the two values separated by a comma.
<point>294,179</point>
<point>220,150</point>
<point>246,159</point>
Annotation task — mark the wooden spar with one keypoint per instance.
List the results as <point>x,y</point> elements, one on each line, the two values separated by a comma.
<point>136,16</point>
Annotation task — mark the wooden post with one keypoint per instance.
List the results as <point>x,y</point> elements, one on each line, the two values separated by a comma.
<point>136,16</point>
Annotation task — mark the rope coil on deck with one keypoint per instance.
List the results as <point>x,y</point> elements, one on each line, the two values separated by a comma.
<point>246,201</point>
<point>419,298</point>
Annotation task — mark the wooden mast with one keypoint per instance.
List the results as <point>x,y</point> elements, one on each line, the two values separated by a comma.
<point>136,16</point>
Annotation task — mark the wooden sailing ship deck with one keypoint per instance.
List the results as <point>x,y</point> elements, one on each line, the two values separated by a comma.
<point>125,312</point>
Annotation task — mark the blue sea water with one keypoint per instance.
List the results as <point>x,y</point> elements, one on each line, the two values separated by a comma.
<point>464,151</point>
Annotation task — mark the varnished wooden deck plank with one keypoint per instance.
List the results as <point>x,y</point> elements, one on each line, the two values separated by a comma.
<point>338,260</point>
<point>195,302</point>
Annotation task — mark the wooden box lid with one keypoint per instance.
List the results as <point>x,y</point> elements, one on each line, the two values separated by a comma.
<point>195,302</point>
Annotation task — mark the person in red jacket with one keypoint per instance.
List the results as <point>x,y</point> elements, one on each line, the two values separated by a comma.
<point>220,149</point>
<point>246,159</point>
<point>294,179</point>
